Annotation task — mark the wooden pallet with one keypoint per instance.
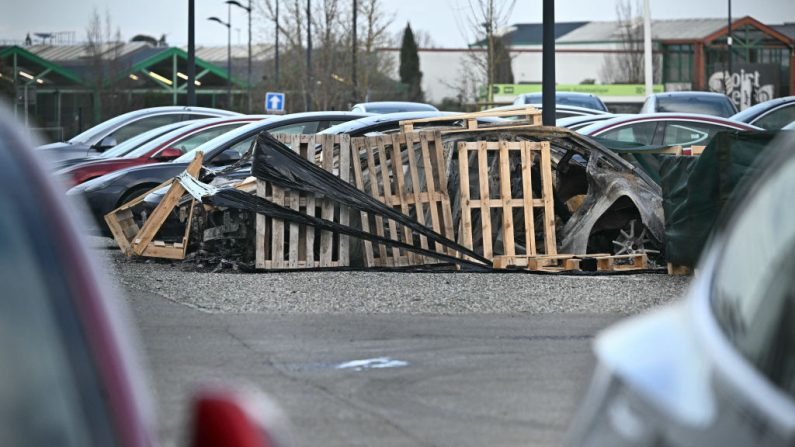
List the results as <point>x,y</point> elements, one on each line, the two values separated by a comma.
<point>506,202</point>
<point>133,240</point>
<point>564,263</point>
<point>526,117</point>
<point>284,245</point>
<point>417,187</point>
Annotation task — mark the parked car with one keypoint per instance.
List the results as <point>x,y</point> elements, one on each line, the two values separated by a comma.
<point>667,129</point>
<point>583,100</point>
<point>167,147</point>
<point>771,115</point>
<point>577,121</point>
<point>718,368</point>
<point>104,194</point>
<point>109,133</point>
<point>706,103</point>
<point>393,107</point>
<point>122,149</point>
<point>71,376</point>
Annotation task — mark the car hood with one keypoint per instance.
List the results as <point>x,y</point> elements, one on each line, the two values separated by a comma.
<point>56,152</point>
<point>63,164</point>
<point>107,164</point>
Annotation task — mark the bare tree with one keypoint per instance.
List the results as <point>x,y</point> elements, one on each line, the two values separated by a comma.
<point>626,66</point>
<point>332,58</point>
<point>103,48</point>
<point>482,24</point>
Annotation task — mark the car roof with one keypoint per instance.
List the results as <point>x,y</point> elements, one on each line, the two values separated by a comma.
<point>754,111</point>
<point>374,120</point>
<point>689,93</point>
<point>272,122</point>
<point>572,120</point>
<point>600,125</point>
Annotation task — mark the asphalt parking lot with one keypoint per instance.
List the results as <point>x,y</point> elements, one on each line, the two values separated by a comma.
<point>393,359</point>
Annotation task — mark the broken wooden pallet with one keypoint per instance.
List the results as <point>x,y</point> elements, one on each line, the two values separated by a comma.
<point>568,263</point>
<point>405,171</point>
<point>523,117</point>
<point>499,155</point>
<point>285,245</point>
<point>133,240</point>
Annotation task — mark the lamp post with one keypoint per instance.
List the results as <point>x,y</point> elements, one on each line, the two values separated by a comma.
<point>228,25</point>
<point>276,56</point>
<point>248,77</point>
<point>191,99</point>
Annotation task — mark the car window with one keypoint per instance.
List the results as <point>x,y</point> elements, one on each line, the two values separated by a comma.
<point>706,105</point>
<point>193,141</point>
<point>778,118</point>
<point>753,295</point>
<point>688,133</point>
<point>196,116</point>
<point>242,146</point>
<point>142,125</point>
<point>137,141</point>
<point>307,128</point>
<point>641,133</point>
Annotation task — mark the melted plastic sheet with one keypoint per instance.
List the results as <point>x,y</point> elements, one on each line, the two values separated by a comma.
<point>698,190</point>
<point>276,163</point>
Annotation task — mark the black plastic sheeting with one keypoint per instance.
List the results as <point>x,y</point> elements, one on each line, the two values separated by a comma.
<point>276,163</point>
<point>698,190</point>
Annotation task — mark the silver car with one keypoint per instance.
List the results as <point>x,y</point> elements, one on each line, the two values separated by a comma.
<point>718,368</point>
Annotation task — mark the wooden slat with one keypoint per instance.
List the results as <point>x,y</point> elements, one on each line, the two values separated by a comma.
<point>431,175</point>
<point>291,201</point>
<point>527,193</point>
<point>345,212</point>
<point>441,175</point>
<point>466,213</point>
<point>415,184</point>
<point>379,221</point>
<point>550,243</point>
<point>261,230</point>
<point>400,189</point>
<point>327,210</point>
<point>308,153</point>
<point>277,228</point>
<point>509,246</point>
<point>356,148</point>
<point>387,185</point>
<point>485,211</point>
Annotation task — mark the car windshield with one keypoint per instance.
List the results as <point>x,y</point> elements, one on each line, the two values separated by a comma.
<point>101,128</point>
<point>141,140</point>
<point>704,105</point>
<point>192,140</point>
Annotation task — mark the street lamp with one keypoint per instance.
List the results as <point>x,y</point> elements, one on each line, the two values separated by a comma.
<point>228,25</point>
<point>248,10</point>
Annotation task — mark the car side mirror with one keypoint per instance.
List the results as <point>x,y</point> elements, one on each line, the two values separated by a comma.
<point>169,153</point>
<point>235,417</point>
<point>226,157</point>
<point>105,143</point>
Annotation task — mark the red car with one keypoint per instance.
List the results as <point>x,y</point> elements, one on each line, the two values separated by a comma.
<point>167,147</point>
<point>70,376</point>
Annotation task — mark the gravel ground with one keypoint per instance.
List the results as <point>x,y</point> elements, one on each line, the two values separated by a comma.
<point>384,292</point>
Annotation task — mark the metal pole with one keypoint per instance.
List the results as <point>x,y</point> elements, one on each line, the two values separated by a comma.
<point>308,55</point>
<point>276,61</point>
<point>191,99</point>
<point>249,56</point>
<point>729,52</point>
<point>354,45</point>
<point>27,126</point>
<point>647,60</point>
<point>229,56</point>
<point>548,64</point>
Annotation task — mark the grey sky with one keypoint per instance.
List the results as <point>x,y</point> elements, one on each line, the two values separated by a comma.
<point>438,18</point>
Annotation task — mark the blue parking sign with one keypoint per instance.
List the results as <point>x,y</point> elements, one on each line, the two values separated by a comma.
<point>274,102</point>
